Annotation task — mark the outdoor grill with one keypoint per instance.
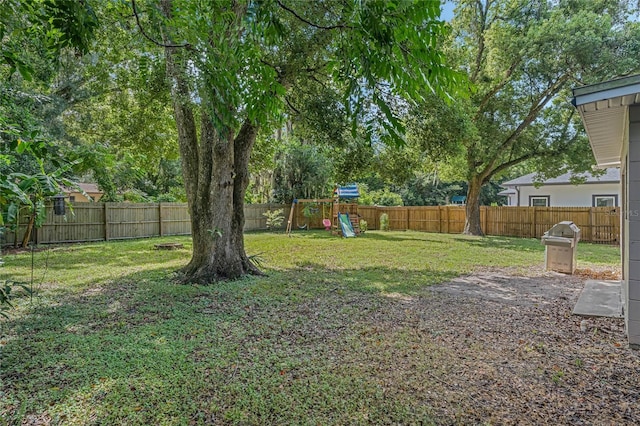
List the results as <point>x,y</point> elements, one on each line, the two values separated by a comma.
<point>561,244</point>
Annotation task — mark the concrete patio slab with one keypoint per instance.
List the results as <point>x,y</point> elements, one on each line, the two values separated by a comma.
<point>600,299</point>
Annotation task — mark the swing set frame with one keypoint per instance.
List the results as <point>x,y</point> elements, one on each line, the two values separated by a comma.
<point>293,213</point>
<point>335,207</point>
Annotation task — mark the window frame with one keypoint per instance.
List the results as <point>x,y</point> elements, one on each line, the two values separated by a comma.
<point>547,199</point>
<point>594,199</point>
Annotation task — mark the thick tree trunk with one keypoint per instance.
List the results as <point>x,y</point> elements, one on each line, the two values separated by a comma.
<point>243,145</point>
<point>216,255</point>
<point>215,170</point>
<point>472,225</point>
<point>217,212</point>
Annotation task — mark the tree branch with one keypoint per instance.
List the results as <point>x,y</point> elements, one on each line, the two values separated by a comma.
<point>184,115</point>
<point>565,130</point>
<point>482,28</point>
<point>147,36</point>
<point>306,21</point>
<point>535,109</point>
<point>496,89</point>
<point>513,162</point>
<point>286,98</point>
<point>535,152</point>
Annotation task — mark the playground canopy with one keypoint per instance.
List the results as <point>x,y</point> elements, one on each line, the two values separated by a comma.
<point>339,211</point>
<point>347,191</point>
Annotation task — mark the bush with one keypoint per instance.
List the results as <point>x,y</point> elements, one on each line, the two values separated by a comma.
<point>274,218</point>
<point>384,222</point>
<point>364,226</point>
<point>382,197</point>
<point>135,196</point>
<point>175,195</point>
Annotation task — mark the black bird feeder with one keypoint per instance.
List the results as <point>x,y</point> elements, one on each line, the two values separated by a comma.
<point>58,205</point>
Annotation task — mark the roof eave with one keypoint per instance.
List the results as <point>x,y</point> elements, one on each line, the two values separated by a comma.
<point>604,111</point>
<point>606,132</point>
<point>606,90</point>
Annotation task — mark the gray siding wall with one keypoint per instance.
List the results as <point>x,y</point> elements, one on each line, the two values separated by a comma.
<point>631,288</point>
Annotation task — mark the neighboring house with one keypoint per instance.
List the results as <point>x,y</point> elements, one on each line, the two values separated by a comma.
<point>595,191</point>
<point>91,189</point>
<point>610,113</point>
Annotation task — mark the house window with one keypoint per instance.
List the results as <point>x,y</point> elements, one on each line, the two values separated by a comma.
<point>539,200</point>
<point>605,200</point>
<point>72,198</point>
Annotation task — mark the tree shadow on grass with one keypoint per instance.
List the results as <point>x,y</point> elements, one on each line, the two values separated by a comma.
<point>507,243</point>
<point>396,236</point>
<point>102,353</point>
<point>370,235</point>
<point>376,279</point>
<point>141,350</point>
<point>313,234</point>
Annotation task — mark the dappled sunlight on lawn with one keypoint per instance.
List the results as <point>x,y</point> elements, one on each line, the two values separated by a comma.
<point>78,266</point>
<point>376,259</point>
<point>338,329</point>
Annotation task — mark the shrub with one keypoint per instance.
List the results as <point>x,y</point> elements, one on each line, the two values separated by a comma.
<point>384,222</point>
<point>311,210</point>
<point>382,197</point>
<point>135,196</point>
<point>274,218</point>
<point>364,226</point>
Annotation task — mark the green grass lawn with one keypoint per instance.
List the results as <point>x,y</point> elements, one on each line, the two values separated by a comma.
<point>110,339</point>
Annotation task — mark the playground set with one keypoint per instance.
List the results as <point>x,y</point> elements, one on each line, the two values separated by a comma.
<point>338,214</point>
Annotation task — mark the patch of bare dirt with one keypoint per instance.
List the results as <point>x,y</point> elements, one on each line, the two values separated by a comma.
<point>506,349</point>
<point>33,420</point>
<point>599,274</point>
<point>515,290</point>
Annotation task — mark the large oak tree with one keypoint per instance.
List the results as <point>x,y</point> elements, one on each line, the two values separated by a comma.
<point>522,57</point>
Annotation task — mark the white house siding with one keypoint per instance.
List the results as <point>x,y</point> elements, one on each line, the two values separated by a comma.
<point>568,195</point>
<point>631,250</point>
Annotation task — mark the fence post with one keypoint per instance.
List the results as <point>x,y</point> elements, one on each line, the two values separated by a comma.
<point>375,218</point>
<point>591,233</point>
<point>484,224</point>
<point>448,218</point>
<point>535,223</point>
<point>160,219</point>
<point>106,222</point>
<point>408,222</point>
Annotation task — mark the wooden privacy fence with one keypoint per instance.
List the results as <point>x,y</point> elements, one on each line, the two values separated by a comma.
<point>597,224</point>
<point>117,221</point>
